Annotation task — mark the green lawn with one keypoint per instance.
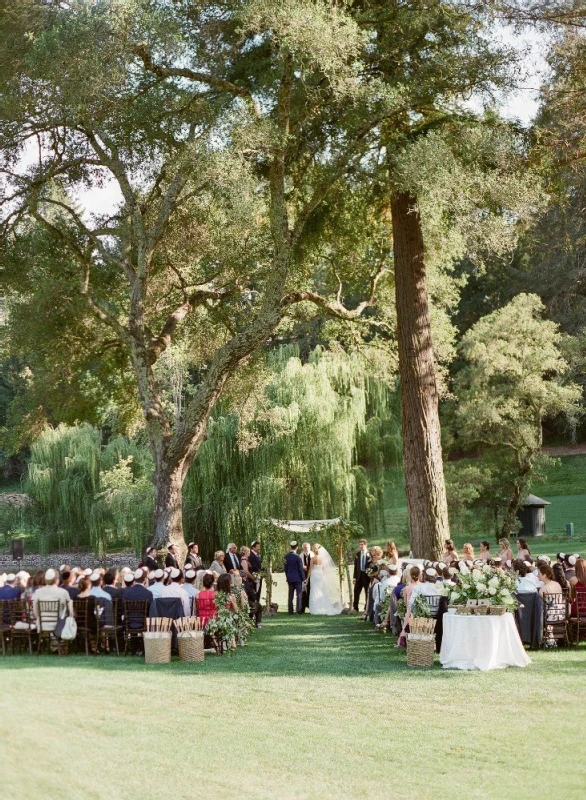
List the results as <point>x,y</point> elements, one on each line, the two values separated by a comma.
<point>311,708</point>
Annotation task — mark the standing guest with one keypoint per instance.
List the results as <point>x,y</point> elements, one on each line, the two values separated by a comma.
<point>217,564</point>
<point>578,584</point>
<point>51,591</point>
<point>295,576</point>
<point>157,587</point>
<point>206,606</point>
<point>231,561</point>
<point>306,556</point>
<point>256,566</point>
<point>523,551</point>
<point>468,552</point>
<point>67,579</point>
<point>151,559</point>
<point>376,554</point>
<point>12,590</point>
<point>135,586</point>
<point>391,553</point>
<point>246,574</point>
<point>171,557</point>
<point>484,554</point>
<point>450,553</point>
<point>545,575</point>
<point>361,580</point>
<point>506,553</point>
<point>193,558</point>
<point>175,589</point>
<point>109,584</point>
<point>96,590</point>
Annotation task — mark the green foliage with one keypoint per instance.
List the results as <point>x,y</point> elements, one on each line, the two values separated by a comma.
<point>421,607</point>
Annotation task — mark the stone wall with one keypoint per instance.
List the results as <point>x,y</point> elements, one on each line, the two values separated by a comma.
<point>34,561</point>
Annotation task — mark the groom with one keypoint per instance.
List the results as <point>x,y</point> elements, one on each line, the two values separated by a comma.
<point>295,576</point>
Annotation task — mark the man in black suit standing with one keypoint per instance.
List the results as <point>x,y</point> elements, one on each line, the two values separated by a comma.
<point>295,576</point>
<point>306,556</point>
<point>151,559</point>
<point>361,580</point>
<point>255,562</point>
<point>171,558</point>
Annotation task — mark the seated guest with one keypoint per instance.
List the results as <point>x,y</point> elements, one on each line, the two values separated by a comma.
<point>85,596</point>
<point>415,574</point>
<point>570,567</point>
<point>545,575</point>
<point>96,590</point>
<point>427,588</point>
<point>217,564</point>
<point>404,581</point>
<point>110,580</point>
<point>175,589</point>
<point>12,590</point>
<point>67,579</point>
<point>523,551</point>
<point>578,584</point>
<point>157,587</point>
<point>193,558</point>
<point>484,554</point>
<point>450,554</point>
<point>468,552</point>
<point>206,606</point>
<point>524,583</point>
<point>393,580</point>
<point>189,583</point>
<point>560,576</point>
<point>51,592</point>
<point>225,585</point>
<point>151,559</point>
<point>37,580</point>
<point>135,588</point>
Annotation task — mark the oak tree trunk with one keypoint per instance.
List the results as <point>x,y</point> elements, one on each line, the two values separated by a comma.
<point>422,450</point>
<point>168,512</point>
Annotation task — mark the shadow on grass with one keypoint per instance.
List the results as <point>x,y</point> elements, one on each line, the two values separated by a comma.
<point>287,646</point>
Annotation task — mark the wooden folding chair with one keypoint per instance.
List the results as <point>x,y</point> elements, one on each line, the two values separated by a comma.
<point>46,621</point>
<point>555,618</point>
<point>135,614</point>
<point>23,626</point>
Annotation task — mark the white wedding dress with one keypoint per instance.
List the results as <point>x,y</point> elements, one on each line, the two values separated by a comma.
<point>323,587</point>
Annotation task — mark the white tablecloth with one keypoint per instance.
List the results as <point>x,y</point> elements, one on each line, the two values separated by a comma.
<point>471,642</point>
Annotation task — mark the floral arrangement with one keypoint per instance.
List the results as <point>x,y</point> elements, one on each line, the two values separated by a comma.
<point>401,608</point>
<point>241,619</point>
<point>421,607</point>
<point>483,583</point>
<point>222,627</point>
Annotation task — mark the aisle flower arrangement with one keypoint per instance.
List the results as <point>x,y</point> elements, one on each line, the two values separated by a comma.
<point>483,583</point>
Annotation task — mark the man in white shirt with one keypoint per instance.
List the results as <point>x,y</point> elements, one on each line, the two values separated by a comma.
<point>188,586</point>
<point>174,589</point>
<point>96,590</point>
<point>157,587</point>
<point>428,588</point>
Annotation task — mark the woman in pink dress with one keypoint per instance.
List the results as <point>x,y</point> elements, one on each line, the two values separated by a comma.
<point>506,553</point>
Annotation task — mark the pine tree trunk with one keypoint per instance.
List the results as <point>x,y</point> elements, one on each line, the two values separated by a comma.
<point>422,450</point>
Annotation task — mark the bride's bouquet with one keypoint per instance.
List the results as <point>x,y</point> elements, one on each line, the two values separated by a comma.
<point>483,583</point>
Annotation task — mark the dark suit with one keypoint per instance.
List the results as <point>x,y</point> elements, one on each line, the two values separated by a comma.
<point>295,576</point>
<point>229,563</point>
<point>71,591</point>
<point>171,561</point>
<point>361,577</point>
<point>193,560</point>
<point>114,593</point>
<point>306,558</point>
<point>255,563</point>
<point>137,592</point>
<point>151,563</point>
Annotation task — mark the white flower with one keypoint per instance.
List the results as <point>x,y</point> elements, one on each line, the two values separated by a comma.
<point>455,595</point>
<point>491,590</point>
<point>487,569</point>
<point>482,589</point>
<point>476,575</point>
<point>464,569</point>
<point>494,581</point>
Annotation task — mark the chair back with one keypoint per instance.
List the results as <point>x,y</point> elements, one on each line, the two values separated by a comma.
<point>433,601</point>
<point>555,608</point>
<point>135,614</point>
<point>581,602</point>
<point>83,611</point>
<point>5,614</point>
<point>105,611</point>
<point>48,615</point>
<point>20,611</point>
<point>170,607</point>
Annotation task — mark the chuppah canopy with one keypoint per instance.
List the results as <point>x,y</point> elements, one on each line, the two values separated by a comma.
<point>304,525</point>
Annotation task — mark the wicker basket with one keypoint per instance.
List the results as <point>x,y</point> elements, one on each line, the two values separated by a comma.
<point>498,610</point>
<point>464,610</point>
<point>190,645</point>
<point>481,610</point>
<point>157,647</point>
<point>420,650</point>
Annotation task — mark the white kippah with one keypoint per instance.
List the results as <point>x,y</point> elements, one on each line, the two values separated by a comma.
<point>139,574</point>
<point>175,573</point>
<point>87,572</point>
<point>441,565</point>
<point>572,561</point>
<point>12,577</point>
<point>431,572</point>
<point>50,575</point>
<point>95,575</point>
<point>562,555</point>
<point>190,574</point>
<point>158,573</point>
<point>128,577</point>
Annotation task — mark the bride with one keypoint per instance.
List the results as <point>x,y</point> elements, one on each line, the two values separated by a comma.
<point>323,584</point>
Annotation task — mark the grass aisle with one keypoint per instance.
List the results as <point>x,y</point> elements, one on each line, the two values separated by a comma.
<point>311,708</point>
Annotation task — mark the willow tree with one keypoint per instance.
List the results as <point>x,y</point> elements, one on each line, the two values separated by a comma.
<point>208,120</point>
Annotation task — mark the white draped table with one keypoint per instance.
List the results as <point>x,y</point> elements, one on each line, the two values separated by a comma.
<point>481,642</point>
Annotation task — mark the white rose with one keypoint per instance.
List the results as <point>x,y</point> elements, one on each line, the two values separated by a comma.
<point>491,590</point>
<point>464,569</point>
<point>487,569</point>
<point>455,595</point>
<point>476,575</point>
<point>493,581</point>
<point>482,588</point>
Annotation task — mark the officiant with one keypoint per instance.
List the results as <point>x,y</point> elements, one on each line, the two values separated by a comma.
<point>306,556</point>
